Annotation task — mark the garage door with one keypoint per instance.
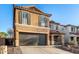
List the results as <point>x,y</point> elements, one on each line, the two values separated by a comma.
<point>30,39</point>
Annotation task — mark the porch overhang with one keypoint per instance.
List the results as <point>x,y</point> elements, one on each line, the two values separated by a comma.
<point>56,32</point>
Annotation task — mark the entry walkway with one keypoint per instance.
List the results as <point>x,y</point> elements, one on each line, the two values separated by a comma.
<point>42,50</point>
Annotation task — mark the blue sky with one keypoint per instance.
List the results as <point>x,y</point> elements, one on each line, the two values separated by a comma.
<point>62,13</point>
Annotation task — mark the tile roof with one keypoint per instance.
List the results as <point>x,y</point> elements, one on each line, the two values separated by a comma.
<point>56,32</point>
<point>29,8</point>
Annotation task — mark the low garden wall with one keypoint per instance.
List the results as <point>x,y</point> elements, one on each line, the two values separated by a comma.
<point>3,49</point>
<point>70,49</point>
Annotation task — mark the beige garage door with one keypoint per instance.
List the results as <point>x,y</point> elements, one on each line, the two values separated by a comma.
<point>32,39</point>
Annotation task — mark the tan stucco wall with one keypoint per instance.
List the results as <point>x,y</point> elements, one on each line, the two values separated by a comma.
<point>33,28</point>
<point>34,17</point>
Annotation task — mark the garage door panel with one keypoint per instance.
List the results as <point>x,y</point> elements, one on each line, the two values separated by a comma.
<point>32,39</point>
<point>42,40</point>
<point>28,39</point>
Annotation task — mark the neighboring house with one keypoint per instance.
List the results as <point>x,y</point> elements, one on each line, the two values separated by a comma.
<point>31,26</point>
<point>72,34</point>
<point>56,33</point>
<point>61,34</point>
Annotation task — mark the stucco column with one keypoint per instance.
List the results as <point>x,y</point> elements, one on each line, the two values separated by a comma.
<point>52,37</point>
<point>62,38</point>
<point>75,41</point>
<point>48,40</point>
<point>17,38</point>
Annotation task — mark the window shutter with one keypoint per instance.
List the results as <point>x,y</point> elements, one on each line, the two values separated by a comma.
<point>39,21</point>
<point>20,17</point>
<point>29,19</point>
<point>46,22</point>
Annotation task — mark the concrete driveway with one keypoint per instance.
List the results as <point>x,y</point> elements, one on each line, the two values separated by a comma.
<point>42,50</point>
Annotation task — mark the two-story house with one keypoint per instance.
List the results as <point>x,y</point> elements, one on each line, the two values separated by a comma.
<point>31,26</point>
<point>72,34</point>
<point>56,33</point>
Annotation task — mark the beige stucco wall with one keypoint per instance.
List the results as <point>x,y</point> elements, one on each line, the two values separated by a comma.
<point>33,28</point>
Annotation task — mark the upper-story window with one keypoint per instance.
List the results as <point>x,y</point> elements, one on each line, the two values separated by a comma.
<point>56,27</point>
<point>24,18</point>
<point>63,29</point>
<point>43,21</point>
<point>72,29</point>
<point>77,29</point>
<point>52,26</point>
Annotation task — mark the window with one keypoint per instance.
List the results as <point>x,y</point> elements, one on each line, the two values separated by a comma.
<point>56,27</point>
<point>77,29</point>
<point>72,29</point>
<point>62,29</point>
<point>72,38</point>
<point>52,27</point>
<point>24,18</point>
<point>43,21</point>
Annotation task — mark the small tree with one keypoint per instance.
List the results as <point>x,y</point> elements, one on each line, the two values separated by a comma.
<point>10,33</point>
<point>3,34</point>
